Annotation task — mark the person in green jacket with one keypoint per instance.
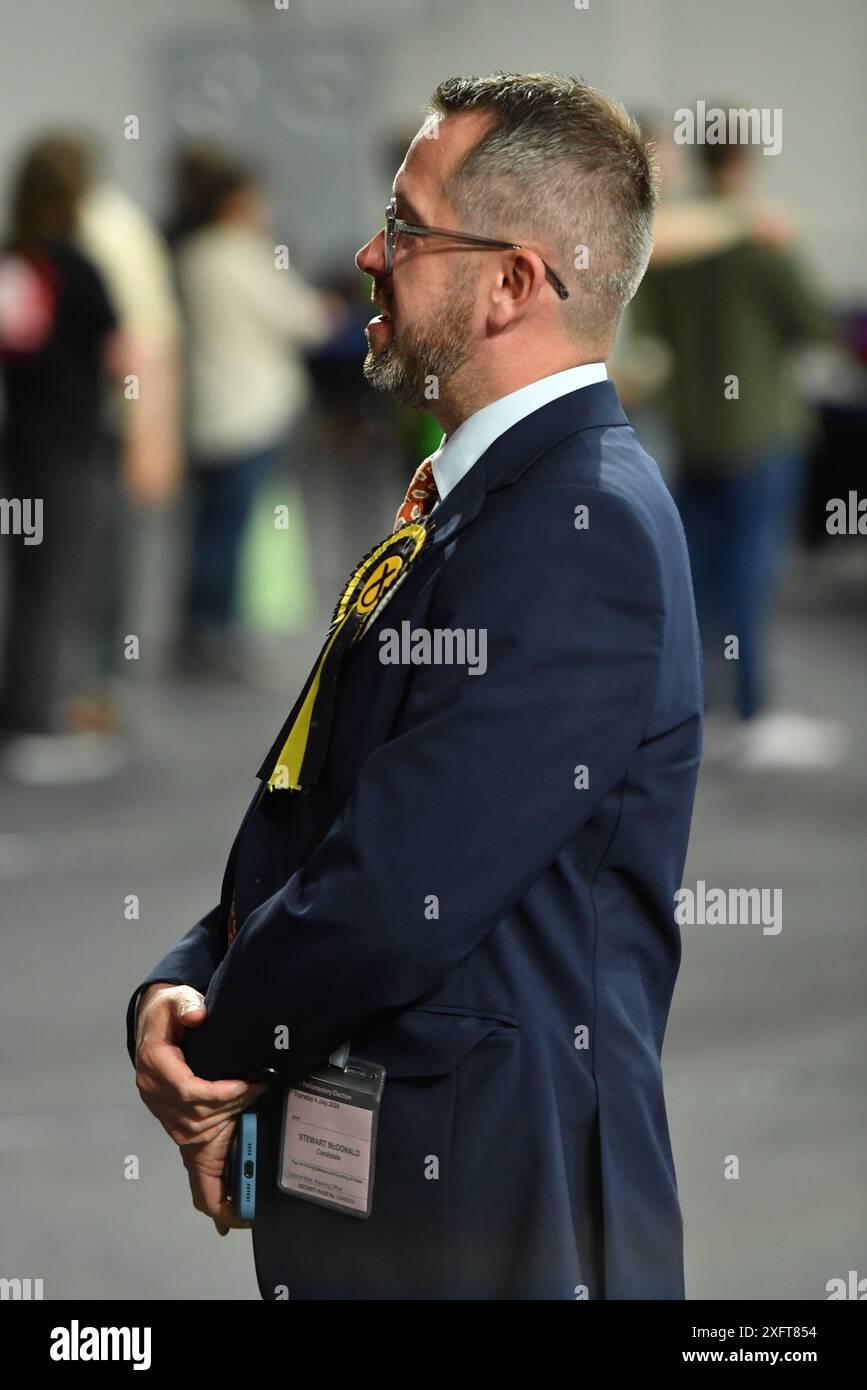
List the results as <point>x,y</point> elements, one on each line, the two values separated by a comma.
<point>729,320</point>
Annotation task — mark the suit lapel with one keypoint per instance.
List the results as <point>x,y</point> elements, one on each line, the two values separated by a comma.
<point>516,450</point>
<point>510,455</point>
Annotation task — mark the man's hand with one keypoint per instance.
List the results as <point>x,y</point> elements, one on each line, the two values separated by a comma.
<point>205,1164</point>
<point>191,1111</point>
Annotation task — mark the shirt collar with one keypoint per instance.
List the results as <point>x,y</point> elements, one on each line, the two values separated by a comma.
<point>459,451</point>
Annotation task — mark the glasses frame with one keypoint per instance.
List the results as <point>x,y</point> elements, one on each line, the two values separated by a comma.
<point>395,224</point>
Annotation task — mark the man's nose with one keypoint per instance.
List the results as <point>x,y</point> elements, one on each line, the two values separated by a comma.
<point>370,258</point>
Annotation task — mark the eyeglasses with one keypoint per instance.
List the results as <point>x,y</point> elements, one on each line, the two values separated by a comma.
<point>395,224</point>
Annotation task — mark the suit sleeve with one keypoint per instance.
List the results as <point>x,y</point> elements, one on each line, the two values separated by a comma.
<point>191,962</point>
<point>472,797</point>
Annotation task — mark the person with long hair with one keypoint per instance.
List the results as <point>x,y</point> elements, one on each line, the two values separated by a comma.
<point>58,341</point>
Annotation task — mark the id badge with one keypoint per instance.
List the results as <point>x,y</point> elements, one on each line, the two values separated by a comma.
<point>328,1143</point>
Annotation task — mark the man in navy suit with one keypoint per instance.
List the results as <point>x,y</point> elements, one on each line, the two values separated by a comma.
<point>463,852</point>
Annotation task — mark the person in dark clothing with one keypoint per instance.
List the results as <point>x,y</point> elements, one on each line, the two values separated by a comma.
<point>58,336</point>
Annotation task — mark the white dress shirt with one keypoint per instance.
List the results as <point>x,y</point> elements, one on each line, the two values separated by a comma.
<point>459,451</point>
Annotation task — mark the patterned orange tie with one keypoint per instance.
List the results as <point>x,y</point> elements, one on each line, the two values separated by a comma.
<point>420,496</point>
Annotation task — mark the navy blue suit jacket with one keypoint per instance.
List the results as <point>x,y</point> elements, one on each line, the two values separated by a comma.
<point>523,1147</point>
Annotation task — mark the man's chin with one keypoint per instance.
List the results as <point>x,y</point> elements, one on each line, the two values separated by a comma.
<point>378,368</point>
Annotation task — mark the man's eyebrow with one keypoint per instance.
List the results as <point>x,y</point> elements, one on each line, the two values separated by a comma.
<point>408,207</point>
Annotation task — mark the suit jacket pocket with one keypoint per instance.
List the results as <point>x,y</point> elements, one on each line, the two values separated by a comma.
<point>430,1041</point>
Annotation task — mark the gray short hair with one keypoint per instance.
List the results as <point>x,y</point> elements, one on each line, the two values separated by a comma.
<point>566,163</point>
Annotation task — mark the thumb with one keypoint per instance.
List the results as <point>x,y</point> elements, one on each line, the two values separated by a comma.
<point>191,1011</point>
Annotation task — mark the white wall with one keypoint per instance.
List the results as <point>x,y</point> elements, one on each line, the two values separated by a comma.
<point>95,61</point>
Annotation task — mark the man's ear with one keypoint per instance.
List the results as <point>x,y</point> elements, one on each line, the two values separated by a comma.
<point>520,278</point>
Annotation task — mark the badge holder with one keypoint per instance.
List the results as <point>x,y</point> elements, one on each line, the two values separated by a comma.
<point>328,1139</point>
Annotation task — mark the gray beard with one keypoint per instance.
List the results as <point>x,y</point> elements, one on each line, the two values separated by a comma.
<point>417,364</point>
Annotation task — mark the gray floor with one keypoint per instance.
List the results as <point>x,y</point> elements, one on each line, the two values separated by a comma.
<point>763,1059</point>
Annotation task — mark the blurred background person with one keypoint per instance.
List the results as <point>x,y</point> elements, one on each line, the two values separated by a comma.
<point>247,323</point>
<point>692,222</point>
<point>59,338</point>
<point>697,216</point>
<point>728,301</point>
<point>142,424</point>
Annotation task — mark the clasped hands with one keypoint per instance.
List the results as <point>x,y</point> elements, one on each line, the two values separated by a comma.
<point>200,1116</point>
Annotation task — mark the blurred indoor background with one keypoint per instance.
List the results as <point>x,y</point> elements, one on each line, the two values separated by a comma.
<point>203,176</point>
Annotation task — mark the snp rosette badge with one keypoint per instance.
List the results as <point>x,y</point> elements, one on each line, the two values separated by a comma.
<point>297,755</point>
